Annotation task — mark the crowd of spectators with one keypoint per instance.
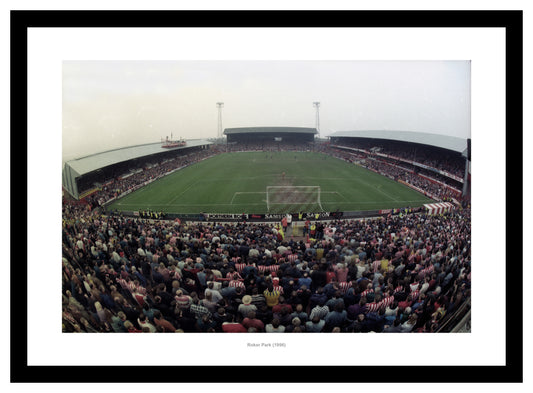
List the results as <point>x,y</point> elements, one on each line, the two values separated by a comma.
<point>392,274</point>
<point>392,171</point>
<point>433,188</point>
<point>430,156</point>
<point>436,188</point>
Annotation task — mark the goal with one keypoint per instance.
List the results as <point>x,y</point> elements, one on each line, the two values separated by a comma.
<point>286,199</point>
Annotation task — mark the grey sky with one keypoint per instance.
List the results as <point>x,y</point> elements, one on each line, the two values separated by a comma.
<point>109,104</point>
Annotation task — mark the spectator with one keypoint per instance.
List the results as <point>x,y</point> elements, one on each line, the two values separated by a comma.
<point>336,318</point>
<point>246,306</point>
<point>275,327</point>
<point>233,326</point>
<point>252,322</point>
<point>295,326</point>
<point>315,325</point>
<point>145,323</point>
<point>272,296</point>
<point>161,322</point>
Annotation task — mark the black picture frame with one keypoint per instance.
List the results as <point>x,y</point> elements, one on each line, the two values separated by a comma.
<point>21,21</point>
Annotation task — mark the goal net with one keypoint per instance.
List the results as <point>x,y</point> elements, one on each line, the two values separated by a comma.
<point>287,199</point>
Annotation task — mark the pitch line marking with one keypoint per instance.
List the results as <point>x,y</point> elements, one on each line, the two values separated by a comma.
<point>194,204</point>
<point>244,204</point>
<point>343,197</point>
<point>377,189</point>
<point>183,192</point>
<point>244,192</point>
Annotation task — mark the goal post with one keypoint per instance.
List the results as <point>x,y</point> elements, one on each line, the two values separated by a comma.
<point>295,198</point>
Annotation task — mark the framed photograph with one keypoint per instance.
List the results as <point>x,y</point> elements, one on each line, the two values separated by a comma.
<point>57,58</point>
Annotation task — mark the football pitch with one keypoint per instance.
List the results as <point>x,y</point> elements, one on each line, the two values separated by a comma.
<point>238,182</point>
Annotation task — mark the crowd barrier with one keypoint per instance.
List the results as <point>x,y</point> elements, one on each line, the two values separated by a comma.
<point>230,217</point>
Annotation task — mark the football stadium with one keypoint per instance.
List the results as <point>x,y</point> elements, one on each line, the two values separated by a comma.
<point>270,229</point>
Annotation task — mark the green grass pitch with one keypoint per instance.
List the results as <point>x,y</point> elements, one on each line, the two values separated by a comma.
<point>237,182</point>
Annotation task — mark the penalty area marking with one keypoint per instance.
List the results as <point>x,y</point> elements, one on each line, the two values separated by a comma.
<point>245,192</point>
<point>335,192</point>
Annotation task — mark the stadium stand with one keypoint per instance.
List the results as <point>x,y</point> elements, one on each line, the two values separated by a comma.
<point>262,135</point>
<point>85,175</point>
<point>434,164</point>
<point>397,273</point>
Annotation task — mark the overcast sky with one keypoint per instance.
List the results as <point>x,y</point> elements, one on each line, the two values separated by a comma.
<point>110,104</point>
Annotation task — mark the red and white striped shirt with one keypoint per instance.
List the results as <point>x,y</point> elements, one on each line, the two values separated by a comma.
<point>129,285</point>
<point>386,302</point>
<point>236,284</point>
<point>183,301</point>
<point>376,265</point>
<point>344,286</point>
<point>234,276</point>
<point>366,292</point>
<point>123,283</point>
<point>140,289</point>
<point>414,294</point>
<point>427,270</point>
<point>373,307</point>
<point>240,266</point>
<point>292,257</point>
